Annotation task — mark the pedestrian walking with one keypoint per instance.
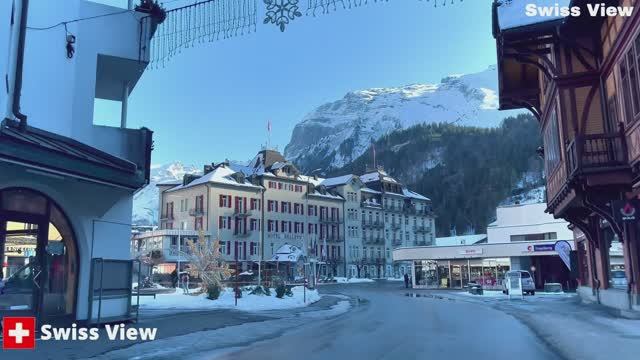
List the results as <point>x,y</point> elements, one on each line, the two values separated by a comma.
<point>185,283</point>
<point>406,281</point>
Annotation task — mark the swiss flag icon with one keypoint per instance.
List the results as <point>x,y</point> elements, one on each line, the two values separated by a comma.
<point>18,333</point>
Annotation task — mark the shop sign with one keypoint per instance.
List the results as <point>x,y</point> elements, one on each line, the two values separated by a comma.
<point>471,252</point>
<point>542,247</point>
<point>626,210</point>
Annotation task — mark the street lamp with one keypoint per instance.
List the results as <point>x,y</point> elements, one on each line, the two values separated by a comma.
<point>313,259</point>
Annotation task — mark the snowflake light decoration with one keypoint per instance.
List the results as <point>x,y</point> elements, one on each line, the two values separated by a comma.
<point>281,12</point>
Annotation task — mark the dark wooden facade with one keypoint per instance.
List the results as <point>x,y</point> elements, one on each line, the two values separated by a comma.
<point>580,76</point>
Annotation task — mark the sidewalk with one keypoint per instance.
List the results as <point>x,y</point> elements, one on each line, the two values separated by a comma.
<point>171,324</point>
<point>572,329</point>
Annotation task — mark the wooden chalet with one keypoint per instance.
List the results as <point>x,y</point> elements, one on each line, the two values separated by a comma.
<point>580,76</point>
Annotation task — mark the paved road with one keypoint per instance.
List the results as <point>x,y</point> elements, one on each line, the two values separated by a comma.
<point>393,324</point>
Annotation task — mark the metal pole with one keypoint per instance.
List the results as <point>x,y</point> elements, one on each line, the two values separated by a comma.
<point>125,105</point>
<point>179,254</point>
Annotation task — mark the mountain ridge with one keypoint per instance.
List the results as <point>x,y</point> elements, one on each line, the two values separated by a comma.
<point>338,132</point>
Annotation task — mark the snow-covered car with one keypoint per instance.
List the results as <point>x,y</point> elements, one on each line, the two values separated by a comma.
<point>618,279</point>
<point>528,286</point>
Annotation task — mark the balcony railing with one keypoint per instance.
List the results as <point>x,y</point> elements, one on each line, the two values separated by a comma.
<point>421,229</point>
<point>167,217</point>
<point>241,212</point>
<point>596,151</point>
<point>374,240</point>
<point>396,225</point>
<point>196,212</point>
<point>241,234</point>
<point>333,238</point>
<point>373,223</point>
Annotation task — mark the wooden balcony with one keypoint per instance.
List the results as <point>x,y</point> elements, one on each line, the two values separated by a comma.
<point>599,161</point>
<point>597,153</point>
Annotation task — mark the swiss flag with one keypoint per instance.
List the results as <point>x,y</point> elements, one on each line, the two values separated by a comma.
<point>18,333</point>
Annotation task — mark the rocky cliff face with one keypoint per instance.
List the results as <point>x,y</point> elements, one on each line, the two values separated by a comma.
<point>337,133</point>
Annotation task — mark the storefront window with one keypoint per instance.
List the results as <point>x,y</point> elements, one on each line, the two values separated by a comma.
<point>426,273</point>
<point>443,275</point>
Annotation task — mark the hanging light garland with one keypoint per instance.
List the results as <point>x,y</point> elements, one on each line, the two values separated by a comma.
<point>210,20</point>
<point>201,22</point>
<point>327,6</point>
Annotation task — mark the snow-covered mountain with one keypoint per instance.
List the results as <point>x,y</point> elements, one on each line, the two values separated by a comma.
<point>337,133</point>
<point>145,201</point>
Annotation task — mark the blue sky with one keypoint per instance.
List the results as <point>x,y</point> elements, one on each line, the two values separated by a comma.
<point>213,102</point>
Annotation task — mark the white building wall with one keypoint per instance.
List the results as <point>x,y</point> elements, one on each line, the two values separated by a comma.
<point>58,93</point>
<point>526,219</point>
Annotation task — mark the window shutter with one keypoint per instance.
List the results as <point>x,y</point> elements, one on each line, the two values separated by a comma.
<point>244,200</point>
<point>220,222</point>
<point>235,249</point>
<point>251,248</point>
<point>228,247</point>
<point>229,222</point>
<point>244,249</point>
<point>289,208</point>
<point>220,202</point>
<point>245,225</point>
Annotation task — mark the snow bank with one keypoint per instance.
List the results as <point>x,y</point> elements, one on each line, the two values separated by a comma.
<point>248,302</point>
<point>343,280</point>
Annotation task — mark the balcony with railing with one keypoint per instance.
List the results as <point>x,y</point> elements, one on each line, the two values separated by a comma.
<point>373,240</point>
<point>396,225</point>
<point>422,229</point>
<point>167,216</point>
<point>596,152</point>
<point>333,238</point>
<point>376,224</point>
<point>196,212</point>
<point>241,212</point>
<point>330,219</point>
<point>243,234</point>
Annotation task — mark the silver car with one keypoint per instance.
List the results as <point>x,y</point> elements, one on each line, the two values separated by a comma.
<point>528,286</point>
<point>618,279</point>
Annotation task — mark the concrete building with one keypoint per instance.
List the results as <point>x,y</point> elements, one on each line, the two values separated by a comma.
<point>382,215</point>
<point>523,237</point>
<point>66,184</point>
<point>340,222</point>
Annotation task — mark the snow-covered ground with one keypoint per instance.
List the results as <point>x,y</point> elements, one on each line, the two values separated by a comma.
<point>344,280</point>
<point>180,301</point>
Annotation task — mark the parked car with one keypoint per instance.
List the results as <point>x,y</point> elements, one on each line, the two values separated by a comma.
<point>528,286</point>
<point>618,279</point>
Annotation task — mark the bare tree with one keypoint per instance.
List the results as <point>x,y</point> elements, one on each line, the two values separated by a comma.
<point>205,262</point>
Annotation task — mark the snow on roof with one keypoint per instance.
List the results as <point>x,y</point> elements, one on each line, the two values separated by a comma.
<point>414,195</point>
<point>512,13</point>
<point>220,175</point>
<point>460,240</point>
<point>169,183</point>
<point>369,190</point>
<point>287,253</point>
<point>370,177</point>
<point>340,180</point>
<point>311,179</point>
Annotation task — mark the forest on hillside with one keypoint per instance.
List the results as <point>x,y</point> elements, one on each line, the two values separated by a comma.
<point>465,171</point>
